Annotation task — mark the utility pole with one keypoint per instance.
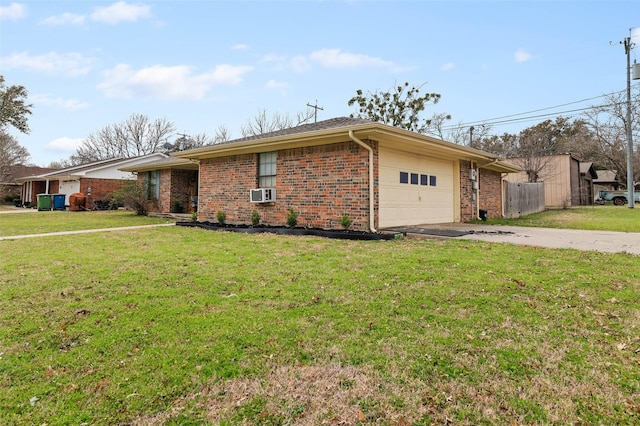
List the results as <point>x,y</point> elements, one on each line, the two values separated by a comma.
<point>628,45</point>
<point>316,108</point>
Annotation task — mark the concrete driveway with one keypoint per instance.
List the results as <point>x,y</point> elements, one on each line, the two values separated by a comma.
<point>602,241</point>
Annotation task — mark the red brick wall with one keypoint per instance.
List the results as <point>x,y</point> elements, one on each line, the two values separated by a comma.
<point>175,185</point>
<point>184,185</point>
<point>321,183</point>
<point>467,204</point>
<point>491,192</point>
<point>40,187</point>
<point>101,189</point>
<point>490,185</point>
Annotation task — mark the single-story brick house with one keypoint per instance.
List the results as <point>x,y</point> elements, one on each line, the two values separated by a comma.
<point>380,176</point>
<point>9,184</point>
<point>99,178</point>
<point>172,180</point>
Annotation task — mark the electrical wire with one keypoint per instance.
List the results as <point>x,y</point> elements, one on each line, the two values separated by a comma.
<point>501,120</point>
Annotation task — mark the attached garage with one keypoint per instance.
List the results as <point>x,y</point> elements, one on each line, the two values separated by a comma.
<point>415,189</point>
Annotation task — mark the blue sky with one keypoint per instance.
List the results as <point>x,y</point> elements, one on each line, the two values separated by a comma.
<point>206,63</point>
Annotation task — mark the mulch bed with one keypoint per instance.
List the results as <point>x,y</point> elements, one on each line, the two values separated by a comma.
<point>282,230</point>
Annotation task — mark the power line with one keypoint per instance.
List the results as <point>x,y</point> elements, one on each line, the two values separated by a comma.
<point>501,121</point>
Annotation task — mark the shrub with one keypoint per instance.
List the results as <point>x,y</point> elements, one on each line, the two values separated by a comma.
<point>255,218</point>
<point>194,216</point>
<point>346,222</point>
<point>131,195</point>
<point>292,218</point>
<point>222,217</point>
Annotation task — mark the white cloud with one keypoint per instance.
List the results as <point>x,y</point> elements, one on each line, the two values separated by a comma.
<point>68,64</point>
<point>300,63</point>
<point>273,84</point>
<point>163,82</point>
<point>329,58</point>
<point>13,12</point>
<point>65,19</point>
<point>336,58</point>
<point>64,144</point>
<point>59,103</point>
<point>522,56</point>
<point>448,66</point>
<point>121,12</point>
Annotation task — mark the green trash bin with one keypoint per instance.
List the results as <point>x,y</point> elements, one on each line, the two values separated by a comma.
<point>44,202</point>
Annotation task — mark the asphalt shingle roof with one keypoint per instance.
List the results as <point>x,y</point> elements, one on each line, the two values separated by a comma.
<point>333,123</point>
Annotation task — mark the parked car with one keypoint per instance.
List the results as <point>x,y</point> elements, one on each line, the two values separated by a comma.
<point>619,198</point>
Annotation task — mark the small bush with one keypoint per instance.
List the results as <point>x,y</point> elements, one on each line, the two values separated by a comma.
<point>194,217</point>
<point>131,195</point>
<point>222,217</point>
<point>345,222</point>
<point>255,218</point>
<point>292,218</point>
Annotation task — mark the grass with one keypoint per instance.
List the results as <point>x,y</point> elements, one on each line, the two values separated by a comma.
<point>54,221</point>
<point>185,326</point>
<point>595,218</point>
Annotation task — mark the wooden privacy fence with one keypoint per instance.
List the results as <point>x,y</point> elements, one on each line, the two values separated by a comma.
<point>523,198</point>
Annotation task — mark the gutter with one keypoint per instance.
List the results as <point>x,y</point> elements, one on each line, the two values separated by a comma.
<point>371,192</point>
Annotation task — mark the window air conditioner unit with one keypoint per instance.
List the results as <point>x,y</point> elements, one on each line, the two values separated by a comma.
<point>262,195</point>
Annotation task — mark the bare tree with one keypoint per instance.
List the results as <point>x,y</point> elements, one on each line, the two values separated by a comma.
<point>222,134</point>
<point>435,127</point>
<point>11,154</point>
<point>607,124</point>
<point>131,138</point>
<point>536,144</point>
<point>263,123</point>
<point>185,142</point>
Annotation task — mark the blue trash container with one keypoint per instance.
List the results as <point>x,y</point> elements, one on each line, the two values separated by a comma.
<point>58,201</point>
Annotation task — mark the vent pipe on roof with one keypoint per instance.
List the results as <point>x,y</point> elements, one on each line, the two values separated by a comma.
<point>372,227</point>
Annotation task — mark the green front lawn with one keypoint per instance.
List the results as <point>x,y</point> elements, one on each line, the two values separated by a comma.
<point>181,326</point>
<point>596,218</point>
<point>56,221</point>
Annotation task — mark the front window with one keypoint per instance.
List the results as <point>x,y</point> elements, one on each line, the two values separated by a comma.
<point>267,170</point>
<point>153,185</point>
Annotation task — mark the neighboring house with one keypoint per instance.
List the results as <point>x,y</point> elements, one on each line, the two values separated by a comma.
<point>169,181</point>
<point>8,181</point>
<point>567,180</point>
<point>98,179</point>
<point>607,180</point>
<point>378,175</point>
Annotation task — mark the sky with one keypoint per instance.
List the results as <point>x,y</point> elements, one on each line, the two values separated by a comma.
<point>203,64</point>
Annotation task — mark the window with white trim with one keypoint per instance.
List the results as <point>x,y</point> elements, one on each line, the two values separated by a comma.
<point>267,170</point>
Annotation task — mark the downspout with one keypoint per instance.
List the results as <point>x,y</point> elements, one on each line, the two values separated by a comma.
<point>372,227</point>
<point>478,192</point>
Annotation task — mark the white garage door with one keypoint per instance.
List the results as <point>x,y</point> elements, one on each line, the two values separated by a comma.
<point>69,187</point>
<point>415,189</point>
